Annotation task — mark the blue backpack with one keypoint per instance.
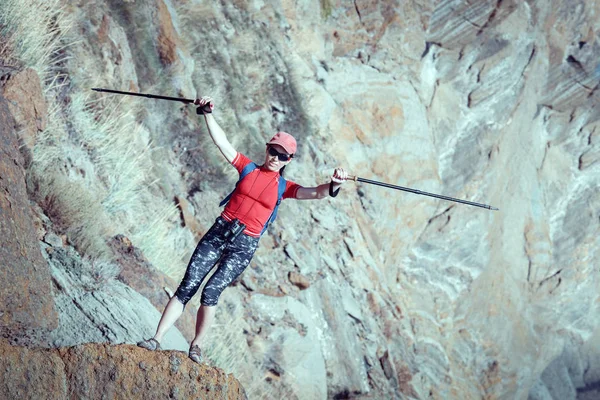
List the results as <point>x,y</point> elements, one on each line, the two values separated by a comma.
<point>280,189</point>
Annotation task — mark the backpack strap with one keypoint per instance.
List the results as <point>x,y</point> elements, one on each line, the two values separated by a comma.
<point>245,171</point>
<point>280,190</point>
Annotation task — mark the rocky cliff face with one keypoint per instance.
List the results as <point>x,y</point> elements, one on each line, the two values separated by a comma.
<point>55,298</point>
<point>96,371</point>
<point>375,293</point>
<point>28,307</point>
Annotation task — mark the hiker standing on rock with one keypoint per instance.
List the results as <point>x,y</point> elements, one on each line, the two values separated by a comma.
<point>233,238</point>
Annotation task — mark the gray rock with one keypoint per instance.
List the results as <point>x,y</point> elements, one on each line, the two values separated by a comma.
<point>92,309</point>
<point>53,239</point>
<point>300,356</point>
<point>494,102</point>
<point>27,311</point>
<point>341,346</point>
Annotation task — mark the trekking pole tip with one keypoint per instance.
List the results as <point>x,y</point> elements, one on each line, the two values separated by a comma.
<point>494,208</point>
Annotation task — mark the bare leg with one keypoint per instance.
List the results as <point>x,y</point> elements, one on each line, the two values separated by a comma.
<point>172,312</point>
<point>205,318</point>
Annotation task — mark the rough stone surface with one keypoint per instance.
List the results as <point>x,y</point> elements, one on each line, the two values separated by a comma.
<point>27,311</point>
<point>291,353</point>
<point>299,280</point>
<point>168,39</point>
<point>410,297</point>
<point>95,307</point>
<point>23,91</point>
<point>188,217</point>
<point>30,373</point>
<point>99,371</point>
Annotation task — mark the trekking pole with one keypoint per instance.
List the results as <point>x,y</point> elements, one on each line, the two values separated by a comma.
<point>199,110</point>
<point>150,96</point>
<point>415,191</point>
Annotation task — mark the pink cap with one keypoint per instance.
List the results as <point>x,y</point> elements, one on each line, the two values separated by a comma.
<point>285,140</point>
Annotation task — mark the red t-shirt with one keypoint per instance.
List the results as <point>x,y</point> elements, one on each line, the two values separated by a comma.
<point>255,196</point>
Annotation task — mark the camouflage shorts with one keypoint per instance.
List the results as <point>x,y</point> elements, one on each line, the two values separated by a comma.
<point>233,258</point>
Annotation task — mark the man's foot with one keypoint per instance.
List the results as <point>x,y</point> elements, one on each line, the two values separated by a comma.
<point>149,344</point>
<point>195,354</point>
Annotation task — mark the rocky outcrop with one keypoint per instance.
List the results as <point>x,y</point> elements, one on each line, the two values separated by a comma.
<point>54,297</point>
<point>298,280</point>
<point>27,312</point>
<point>26,103</point>
<point>575,373</point>
<point>99,371</point>
<point>392,295</point>
<point>94,306</point>
<point>168,40</point>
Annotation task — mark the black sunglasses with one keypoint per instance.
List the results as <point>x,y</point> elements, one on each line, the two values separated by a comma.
<point>280,156</point>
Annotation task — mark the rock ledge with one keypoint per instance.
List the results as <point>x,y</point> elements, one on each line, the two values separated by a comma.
<point>94,371</point>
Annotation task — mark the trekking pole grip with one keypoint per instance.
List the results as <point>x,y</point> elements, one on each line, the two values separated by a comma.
<point>205,109</point>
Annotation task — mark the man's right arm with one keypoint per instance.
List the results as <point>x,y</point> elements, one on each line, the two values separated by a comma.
<point>216,133</point>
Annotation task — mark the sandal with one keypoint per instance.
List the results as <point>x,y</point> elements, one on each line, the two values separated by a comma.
<point>149,344</point>
<point>195,354</point>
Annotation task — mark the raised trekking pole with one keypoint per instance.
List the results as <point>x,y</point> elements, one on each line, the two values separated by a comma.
<point>150,96</point>
<point>415,191</point>
<point>199,110</point>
